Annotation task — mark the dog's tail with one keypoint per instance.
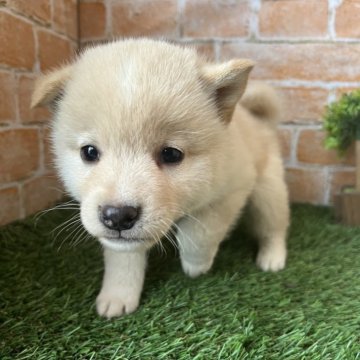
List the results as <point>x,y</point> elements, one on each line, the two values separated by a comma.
<point>263,101</point>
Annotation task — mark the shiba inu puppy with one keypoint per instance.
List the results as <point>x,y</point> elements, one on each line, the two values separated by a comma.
<point>148,136</point>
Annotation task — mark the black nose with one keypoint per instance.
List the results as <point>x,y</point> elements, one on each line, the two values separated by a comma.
<point>119,218</point>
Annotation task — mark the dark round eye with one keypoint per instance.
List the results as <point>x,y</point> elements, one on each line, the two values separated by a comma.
<point>89,153</point>
<point>170,155</point>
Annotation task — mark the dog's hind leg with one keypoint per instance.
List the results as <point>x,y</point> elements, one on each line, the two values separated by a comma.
<point>200,234</point>
<point>270,216</point>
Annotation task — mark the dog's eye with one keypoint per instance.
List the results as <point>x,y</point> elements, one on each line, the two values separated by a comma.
<point>89,153</point>
<point>170,155</point>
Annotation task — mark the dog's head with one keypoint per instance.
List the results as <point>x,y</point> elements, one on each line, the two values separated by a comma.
<point>137,134</point>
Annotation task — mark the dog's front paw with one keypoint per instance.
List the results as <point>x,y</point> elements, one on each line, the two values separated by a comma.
<point>112,304</point>
<point>271,259</point>
<point>193,270</point>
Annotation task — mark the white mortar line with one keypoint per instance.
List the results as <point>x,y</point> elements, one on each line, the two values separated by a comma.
<point>294,39</point>
<point>21,200</point>
<point>42,150</point>
<point>217,50</point>
<point>331,96</point>
<point>60,35</point>
<point>8,68</point>
<point>328,85</point>
<point>294,145</point>
<point>108,19</point>
<point>304,126</point>
<point>255,6</point>
<point>332,168</point>
<point>52,12</point>
<point>341,167</point>
<point>327,186</point>
<point>248,40</point>
<point>180,17</point>
<point>332,5</point>
<point>36,68</point>
<point>16,79</point>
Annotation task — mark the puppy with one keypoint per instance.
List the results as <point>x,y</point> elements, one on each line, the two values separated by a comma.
<point>148,136</point>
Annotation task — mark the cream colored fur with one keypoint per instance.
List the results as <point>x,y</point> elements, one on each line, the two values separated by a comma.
<point>131,98</point>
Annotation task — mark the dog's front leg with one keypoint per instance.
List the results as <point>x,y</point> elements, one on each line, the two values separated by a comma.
<point>122,283</point>
<point>200,234</point>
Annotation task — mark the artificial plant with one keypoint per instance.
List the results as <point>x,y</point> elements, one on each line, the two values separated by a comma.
<point>342,125</point>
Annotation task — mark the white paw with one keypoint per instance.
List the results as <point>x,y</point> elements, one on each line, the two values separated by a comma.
<point>271,259</point>
<point>112,304</point>
<point>194,270</point>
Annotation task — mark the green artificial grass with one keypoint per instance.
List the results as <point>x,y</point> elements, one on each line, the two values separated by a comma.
<point>311,310</point>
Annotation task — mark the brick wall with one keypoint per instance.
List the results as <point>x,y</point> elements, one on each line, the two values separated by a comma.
<point>34,36</point>
<point>308,49</point>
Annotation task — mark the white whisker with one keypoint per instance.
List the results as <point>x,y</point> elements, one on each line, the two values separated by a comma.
<point>70,205</point>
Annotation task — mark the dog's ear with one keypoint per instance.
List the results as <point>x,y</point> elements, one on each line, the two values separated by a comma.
<point>49,87</point>
<point>227,83</point>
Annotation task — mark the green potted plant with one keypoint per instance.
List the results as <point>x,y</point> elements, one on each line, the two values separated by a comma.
<point>342,125</point>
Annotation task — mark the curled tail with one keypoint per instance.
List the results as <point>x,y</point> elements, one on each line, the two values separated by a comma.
<point>262,101</point>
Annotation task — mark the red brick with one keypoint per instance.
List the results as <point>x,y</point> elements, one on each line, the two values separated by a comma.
<point>10,205</point>
<point>7,99</point>
<point>324,62</point>
<point>92,20</point>
<point>40,193</point>
<point>225,18</point>
<point>303,104</point>
<point>306,185</point>
<point>144,18</point>
<point>19,154</point>
<point>292,18</point>
<point>285,138</point>
<point>65,17</point>
<point>25,89</point>
<point>17,45</point>
<point>347,22</point>
<point>311,150</point>
<point>340,179</point>
<point>39,9</point>
<point>53,50</point>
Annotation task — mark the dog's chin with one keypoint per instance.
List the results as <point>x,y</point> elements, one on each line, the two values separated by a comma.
<point>125,244</point>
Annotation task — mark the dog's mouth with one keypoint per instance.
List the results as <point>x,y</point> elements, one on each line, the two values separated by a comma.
<point>125,243</point>
<point>128,239</point>
<point>124,239</point>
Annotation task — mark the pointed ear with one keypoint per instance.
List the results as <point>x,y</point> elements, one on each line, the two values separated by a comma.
<point>50,86</point>
<point>227,82</point>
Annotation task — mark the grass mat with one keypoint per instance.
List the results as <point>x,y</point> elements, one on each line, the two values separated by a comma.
<point>311,310</point>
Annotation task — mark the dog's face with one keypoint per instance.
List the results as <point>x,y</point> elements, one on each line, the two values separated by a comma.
<point>137,135</point>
